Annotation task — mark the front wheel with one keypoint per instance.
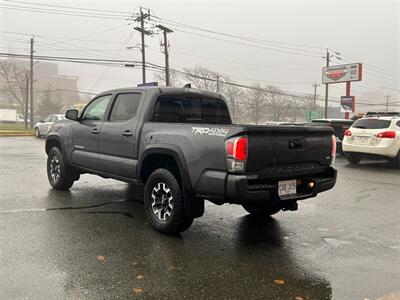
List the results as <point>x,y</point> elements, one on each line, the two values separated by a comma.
<point>260,210</point>
<point>60,175</point>
<point>163,201</point>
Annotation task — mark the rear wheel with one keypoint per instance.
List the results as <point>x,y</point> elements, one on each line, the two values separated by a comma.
<point>353,159</point>
<point>261,210</point>
<point>37,132</point>
<point>163,201</point>
<point>60,175</point>
<point>396,161</point>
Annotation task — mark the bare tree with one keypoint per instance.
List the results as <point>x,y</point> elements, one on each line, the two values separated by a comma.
<point>201,78</point>
<point>235,99</point>
<point>174,78</point>
<point>256,104</point>
<point>50,103</point>
<point>278,103</point>
<point>14,75</point>
<point>300,106</point>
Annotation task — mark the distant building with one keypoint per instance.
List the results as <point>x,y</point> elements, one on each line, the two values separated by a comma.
<point>47,74</point>
<point>47,78</point>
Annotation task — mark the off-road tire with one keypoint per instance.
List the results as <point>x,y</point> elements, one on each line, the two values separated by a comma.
<point>66,173</point>
<point>261,210</point>
<point>177,221</point>
<point>354,160</point>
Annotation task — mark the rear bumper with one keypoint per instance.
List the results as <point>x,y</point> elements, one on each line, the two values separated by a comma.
<point>388,150</point>
<point>241,189</point>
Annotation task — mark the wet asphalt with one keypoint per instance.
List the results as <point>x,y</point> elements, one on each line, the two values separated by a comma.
<point>94,242</point>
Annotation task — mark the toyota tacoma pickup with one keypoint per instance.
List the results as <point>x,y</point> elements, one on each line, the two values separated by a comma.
<point>181,144</point>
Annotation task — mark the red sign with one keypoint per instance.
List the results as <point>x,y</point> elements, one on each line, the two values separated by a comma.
<point>336,74</point>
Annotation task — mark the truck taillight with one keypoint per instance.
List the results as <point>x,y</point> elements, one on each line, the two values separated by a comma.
<point>386,135</point>
<point>347,132</point>
<point>333,152</point>
<point>236,153</point>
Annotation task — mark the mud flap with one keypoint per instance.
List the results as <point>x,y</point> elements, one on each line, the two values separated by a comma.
<point>194,207</point>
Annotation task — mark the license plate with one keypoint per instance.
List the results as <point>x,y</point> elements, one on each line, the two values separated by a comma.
<point>362,139</point>
<point>287,187</point>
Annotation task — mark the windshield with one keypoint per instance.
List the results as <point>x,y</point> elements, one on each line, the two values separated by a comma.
<point>371,124</point>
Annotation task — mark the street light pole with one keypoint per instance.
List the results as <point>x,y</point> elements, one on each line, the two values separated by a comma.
<point>143,33</point>
<point>326,85</point>
<point>387,102</point>
<point>166,54</point>
<point>31,84</point>
<point>26,112</point>
<point>315,85</point>
<point>218,76</point>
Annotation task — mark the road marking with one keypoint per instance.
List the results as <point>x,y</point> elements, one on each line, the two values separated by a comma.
<point>21,210</point>
<point>7,211</point>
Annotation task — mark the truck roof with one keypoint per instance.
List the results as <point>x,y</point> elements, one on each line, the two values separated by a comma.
<point>158,89</point>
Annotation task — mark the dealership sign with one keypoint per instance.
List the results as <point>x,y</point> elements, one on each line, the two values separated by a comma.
<point>342,73</point>
<point>347,104</point>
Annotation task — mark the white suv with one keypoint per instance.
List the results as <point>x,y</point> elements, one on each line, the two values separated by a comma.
<point>373,137</point>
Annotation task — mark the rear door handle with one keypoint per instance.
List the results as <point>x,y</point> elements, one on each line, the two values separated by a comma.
<point>127,133</point>
<point>95,131</point>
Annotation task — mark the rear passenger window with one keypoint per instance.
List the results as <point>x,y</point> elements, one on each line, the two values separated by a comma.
<point>125,107</point>
<point>398,123</point>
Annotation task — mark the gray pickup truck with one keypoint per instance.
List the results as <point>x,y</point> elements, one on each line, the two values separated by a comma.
<point>181,144</point>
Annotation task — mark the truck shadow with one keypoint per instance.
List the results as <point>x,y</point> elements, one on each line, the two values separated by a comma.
<point>230,257</point>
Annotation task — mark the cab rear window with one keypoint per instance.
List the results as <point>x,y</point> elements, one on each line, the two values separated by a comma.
<point>371,124</point>
<point>191,109</point>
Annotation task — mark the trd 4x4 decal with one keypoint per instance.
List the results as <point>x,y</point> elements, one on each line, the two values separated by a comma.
<point>210,131</point>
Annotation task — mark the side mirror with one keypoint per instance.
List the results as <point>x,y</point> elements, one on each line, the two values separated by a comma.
<point>72,114</point>
<point>41,121</point>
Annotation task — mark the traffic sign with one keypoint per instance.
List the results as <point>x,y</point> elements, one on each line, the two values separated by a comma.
<point>311,115</point>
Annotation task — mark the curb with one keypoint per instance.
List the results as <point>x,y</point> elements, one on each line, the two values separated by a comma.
<point>9,133</point>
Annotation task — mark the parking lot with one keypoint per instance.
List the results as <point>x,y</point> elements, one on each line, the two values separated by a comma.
<point>94,242</point>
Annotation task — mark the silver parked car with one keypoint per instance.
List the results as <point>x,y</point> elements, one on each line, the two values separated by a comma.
<point>43,126</point>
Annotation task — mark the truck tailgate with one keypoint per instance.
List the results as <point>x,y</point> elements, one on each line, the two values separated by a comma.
<point>288,150</point>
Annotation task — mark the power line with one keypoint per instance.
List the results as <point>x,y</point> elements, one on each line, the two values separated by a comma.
<point>236,36</point>
<point>159,68</point>
<point>103,12</point>
<point>60,12</point>
<point>379,69</point>
<point>378,74</point>
<point>67,7</point>
<point>246,44</point>
<point>83,38</point>
<point>236,62</point>
<point>115,54</point>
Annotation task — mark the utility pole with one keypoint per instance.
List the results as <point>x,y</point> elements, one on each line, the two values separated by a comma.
<point>31,84</point>
<point>143,33</point>
<point>387,102</point>
<point>165,44</point>
<point>218,76</point>
<point>326,85</point>
<point>315,85</point>
<point>26,100</point>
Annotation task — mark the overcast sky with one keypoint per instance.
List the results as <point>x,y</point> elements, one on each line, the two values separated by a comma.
<point>361,31</point>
